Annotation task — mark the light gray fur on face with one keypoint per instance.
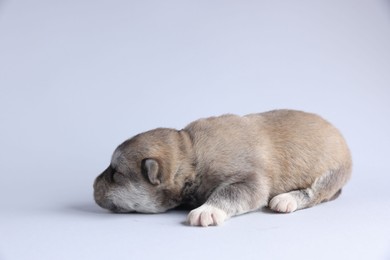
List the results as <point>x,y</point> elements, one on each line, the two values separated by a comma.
<point>130,198</point>
<point>117,159</point>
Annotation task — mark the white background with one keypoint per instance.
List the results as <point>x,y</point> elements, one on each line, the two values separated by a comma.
<point>78,77</point>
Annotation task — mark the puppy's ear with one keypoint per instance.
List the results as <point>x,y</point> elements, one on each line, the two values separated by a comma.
<point>150,169</point>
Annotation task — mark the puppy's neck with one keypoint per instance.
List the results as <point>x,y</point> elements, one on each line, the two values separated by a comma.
<point>186,174</point>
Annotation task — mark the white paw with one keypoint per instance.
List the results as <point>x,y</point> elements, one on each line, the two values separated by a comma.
<point>206,215</point>
<point>283,203</point>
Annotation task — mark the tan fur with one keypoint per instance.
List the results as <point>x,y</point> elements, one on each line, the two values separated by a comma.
<point>228,165</point>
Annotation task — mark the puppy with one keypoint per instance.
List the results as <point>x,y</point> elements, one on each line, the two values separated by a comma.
<point>228,165</point>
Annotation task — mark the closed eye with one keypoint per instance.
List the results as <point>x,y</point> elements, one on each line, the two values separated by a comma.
<point>118,176</point>
<point>115,175</point>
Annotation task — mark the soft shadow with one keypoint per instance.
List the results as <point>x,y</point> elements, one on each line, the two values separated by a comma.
<point>267,210</point>
<point>90,208</point>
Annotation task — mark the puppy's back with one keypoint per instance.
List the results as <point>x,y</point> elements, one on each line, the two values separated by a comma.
<point>227,143</point>
<point>290,149</point>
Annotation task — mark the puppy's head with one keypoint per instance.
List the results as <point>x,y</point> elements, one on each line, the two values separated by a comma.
<point>143,174</point>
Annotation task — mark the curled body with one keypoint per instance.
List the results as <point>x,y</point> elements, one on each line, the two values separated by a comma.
<point>228,165</point>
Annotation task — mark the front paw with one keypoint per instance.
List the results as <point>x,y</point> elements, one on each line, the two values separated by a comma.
<point>206,215</point>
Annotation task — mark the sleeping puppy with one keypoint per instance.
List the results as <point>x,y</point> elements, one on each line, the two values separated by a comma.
<point>228,165</point>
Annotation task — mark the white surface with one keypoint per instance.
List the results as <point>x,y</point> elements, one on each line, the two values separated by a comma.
<point>79,77</point>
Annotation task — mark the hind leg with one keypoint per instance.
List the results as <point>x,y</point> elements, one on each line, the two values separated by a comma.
<point>325,188</point>
<point>291,201</point>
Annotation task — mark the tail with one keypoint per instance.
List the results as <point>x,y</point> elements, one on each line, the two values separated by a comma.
<point>335,196</point>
